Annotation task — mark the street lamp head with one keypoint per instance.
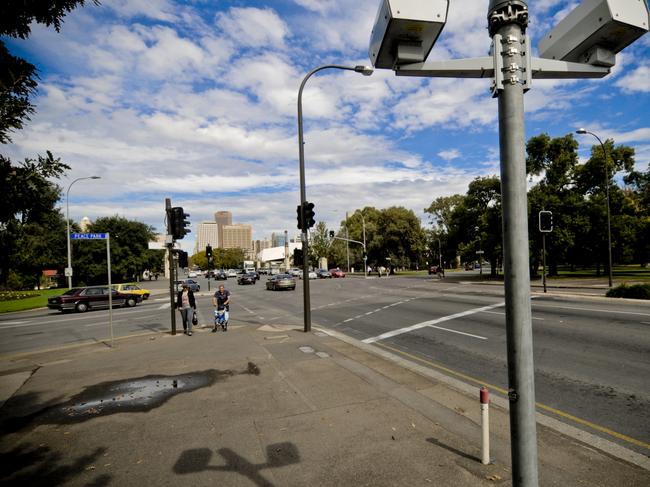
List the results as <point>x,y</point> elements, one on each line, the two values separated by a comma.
<point>581,131</point>
<point>364,70</point>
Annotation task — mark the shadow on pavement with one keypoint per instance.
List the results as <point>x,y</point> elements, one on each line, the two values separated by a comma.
<point>198,460</point>
<point>141,394</point>
<point>455,451</point>
<point>34,466</point>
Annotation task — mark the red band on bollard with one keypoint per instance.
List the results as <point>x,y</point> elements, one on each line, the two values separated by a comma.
<point>485,395</point>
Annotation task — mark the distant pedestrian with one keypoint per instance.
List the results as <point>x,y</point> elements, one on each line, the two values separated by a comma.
<point>186,304</point>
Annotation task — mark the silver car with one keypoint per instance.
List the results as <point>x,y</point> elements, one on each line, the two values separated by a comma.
<point>281,281</point>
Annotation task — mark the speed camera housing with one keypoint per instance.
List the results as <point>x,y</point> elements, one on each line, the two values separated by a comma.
<point>405,31</point>
<point>595,31</point>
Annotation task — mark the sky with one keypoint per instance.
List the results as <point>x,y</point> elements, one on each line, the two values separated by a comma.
<point>195,101</point>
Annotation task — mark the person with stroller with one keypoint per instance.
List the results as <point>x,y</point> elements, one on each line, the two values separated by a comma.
<point>221,300</point>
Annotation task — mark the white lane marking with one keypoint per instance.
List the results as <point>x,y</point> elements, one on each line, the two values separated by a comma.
<point>246,309</point>
<point>417,326</point>
<point>165,306</point>
<point>503,314</point>
<point>369,313</point>
<point>592,309</point>
<point>459,332</point>
<point>12,322</point>
<point>349,319</point>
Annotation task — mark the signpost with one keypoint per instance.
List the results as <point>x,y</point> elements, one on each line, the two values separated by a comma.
<point>107,237</point>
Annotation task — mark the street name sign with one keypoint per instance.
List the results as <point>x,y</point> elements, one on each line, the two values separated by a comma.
<point>89,236</point>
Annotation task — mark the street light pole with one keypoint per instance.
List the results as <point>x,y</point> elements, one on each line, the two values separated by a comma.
<point>365,252</point>
<point>583,131</point>
<point>68,271</point>
<point>366,71</point>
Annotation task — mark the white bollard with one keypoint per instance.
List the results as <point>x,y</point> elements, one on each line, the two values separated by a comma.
<point>485,425</point>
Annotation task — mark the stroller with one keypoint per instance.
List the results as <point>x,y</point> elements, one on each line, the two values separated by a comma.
<point>220,320</point>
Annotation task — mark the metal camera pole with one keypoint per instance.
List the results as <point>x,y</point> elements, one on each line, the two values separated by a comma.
<point>507,25</point>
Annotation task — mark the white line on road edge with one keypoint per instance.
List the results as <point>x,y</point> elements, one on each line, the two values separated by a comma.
<point>613,311</point>
<point>417,326</point>
<point>459,332</point>
<point>503,314</point>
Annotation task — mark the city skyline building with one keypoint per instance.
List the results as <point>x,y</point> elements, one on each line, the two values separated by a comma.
<point>207,234</point>
<point>238,236</point>
<point>222,218</point>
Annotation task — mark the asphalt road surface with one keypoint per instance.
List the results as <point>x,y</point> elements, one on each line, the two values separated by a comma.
<point>592,356</point>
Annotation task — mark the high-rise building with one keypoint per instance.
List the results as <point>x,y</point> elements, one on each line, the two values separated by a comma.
<point>207,234</point>
<point>223,218</point>
<point>85,223</point>
<point>238,236</point>
<point>278,239</point>
<point>259,245</point>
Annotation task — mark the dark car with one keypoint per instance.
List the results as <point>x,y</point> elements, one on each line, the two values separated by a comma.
<point>220,275</point>
<point>81,299</point>
<point>248,278</point>
<point>281,281</point>
<point>323,274</point>
<point>194,286</point>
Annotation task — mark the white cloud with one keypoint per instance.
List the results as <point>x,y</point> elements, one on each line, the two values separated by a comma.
<point>449,155</point>
<point>253,27</point>
<point>162,10</point>
<point>638,81</point>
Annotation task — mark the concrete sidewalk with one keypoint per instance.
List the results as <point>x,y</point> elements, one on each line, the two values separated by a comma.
<point>260,406</point>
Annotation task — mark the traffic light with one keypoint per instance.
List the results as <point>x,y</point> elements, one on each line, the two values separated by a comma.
<point>297,256</point>
<point>299,212</point>
<point>309,215</point>
<point>208,251</point>
<point>332,233</point>
<point>179,223</point>
<point>545,221</point>
<point>183,261</point>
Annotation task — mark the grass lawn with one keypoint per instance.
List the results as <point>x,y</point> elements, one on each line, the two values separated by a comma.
<point>631,273</point>
<point>36,299</point>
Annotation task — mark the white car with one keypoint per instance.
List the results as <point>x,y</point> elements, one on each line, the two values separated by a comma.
<point>193,274</point>
<point>312,275</point>
<point>231,273</point>
<point>295,272</point>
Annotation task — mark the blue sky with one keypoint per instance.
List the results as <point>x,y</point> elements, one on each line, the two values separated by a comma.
<point>196,100</point>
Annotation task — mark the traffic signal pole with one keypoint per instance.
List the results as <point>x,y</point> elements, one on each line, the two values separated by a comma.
<point>170,251</point>
<point>507,24</point>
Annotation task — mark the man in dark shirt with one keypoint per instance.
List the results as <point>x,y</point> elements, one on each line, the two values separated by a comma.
<point>221,300</point>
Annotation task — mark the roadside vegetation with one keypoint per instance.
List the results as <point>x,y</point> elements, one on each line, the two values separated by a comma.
<point>635,291</point>
<point>25,300</point>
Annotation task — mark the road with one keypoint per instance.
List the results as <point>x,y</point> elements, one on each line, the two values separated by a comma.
<point>592,356</point>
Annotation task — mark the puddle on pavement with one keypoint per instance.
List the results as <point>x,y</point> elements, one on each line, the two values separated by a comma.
<point>140,394</point>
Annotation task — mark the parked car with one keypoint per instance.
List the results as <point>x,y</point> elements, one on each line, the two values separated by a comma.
<point>337,273</point>
<point>194,286</point>
<point>295,272</point>
<point>220,275</point>
<point>281,281</point>
<point>323,274</point>
<point>81,299</point>
<point>131,288</point>
<point>248,278</point>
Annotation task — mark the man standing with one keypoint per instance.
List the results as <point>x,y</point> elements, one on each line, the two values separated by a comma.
<point>221,300</point>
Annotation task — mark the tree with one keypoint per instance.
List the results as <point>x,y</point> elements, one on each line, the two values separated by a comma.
<point>320,245</point>
<point>129,251</point>
<point>29,223</point>
<point>27,210</point>
<point>17,76</point>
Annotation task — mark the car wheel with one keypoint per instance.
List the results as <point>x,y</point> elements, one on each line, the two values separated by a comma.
<point>130,302</point>
<point>146,296</point>
<point>81,308</point>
